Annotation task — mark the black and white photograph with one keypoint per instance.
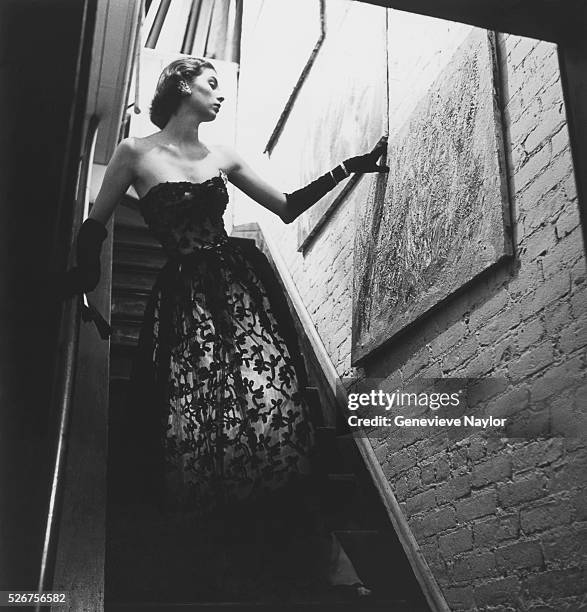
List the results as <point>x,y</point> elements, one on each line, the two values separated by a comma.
<point>293,305</point>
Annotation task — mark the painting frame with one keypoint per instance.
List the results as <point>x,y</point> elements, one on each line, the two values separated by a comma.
<point>374,323</point>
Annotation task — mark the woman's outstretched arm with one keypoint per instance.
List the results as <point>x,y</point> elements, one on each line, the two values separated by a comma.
<point>288,206</point>
<point>241,175</point>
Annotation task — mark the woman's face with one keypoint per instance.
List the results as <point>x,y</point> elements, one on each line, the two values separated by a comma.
<point>206,96</point>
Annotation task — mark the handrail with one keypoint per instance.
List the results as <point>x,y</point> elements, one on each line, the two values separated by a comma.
<point>69,332</point>
<point>422,571</point>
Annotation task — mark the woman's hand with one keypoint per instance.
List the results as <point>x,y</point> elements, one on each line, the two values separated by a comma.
<point>289,206</point>
<point>368,162</point>
<point>84,277</point>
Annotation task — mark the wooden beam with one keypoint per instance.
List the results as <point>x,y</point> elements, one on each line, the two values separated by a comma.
<point>543,19</point>
<point>190,31</point>
<point>202,28</point>
<point>217,36</point>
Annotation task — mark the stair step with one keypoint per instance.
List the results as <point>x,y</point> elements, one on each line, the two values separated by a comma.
<point>129,303</point>
<point>140,278</point>
<point>125,290</point>
<point>125,331</point>
<point>130,254</point>
<point>135,235</point>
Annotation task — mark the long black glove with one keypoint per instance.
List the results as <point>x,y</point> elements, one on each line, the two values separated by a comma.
<point>84,277</point>
<point>304,198</point>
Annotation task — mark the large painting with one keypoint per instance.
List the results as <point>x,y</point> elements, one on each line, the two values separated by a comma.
<point>440,218</point>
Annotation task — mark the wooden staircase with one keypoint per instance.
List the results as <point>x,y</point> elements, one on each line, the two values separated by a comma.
<point>352,506</point>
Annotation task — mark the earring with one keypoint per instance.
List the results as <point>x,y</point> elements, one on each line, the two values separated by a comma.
<point>184,88</point>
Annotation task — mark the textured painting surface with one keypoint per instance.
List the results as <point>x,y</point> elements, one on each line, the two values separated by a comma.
<point>440,220</point>
<point>341,108</point>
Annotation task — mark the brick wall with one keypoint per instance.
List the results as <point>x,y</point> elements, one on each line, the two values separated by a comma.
<point>500,521</point>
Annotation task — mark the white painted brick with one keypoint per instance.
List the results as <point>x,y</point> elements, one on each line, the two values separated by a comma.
<point>524,319</point>
<point>531,166</point>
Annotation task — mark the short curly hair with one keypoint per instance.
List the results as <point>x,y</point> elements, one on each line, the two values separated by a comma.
<point>168,94</point>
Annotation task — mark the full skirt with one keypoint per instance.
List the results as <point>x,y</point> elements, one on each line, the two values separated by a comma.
<point>222,441</point>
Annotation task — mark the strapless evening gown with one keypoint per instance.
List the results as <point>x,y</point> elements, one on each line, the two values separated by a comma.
<point>219,358</point>
<point>222,438</point>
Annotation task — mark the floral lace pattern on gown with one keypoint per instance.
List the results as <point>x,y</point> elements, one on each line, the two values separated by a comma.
<point>227,373</point>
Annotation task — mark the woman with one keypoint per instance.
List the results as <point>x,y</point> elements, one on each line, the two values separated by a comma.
<point>221,420</point>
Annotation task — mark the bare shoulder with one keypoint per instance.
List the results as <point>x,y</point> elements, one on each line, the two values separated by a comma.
<point>228,158</point>
<point>127,153</point>
<point>136,146</point>
<point>129,146</point>
<point>130,152</point>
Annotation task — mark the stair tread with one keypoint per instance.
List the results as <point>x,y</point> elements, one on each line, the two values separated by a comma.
<point>138,246</point>
<point>127,319</point>
<point>127,254</point>
<point>126,290</point>
<point>123,343</point>
<point>135,237</point>
<point>139,266</point>
<point>126,266</point>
